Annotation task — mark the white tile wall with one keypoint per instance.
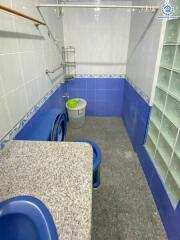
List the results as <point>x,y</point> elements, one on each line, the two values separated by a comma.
<point>25,53</point>
<point>7,44</point>
<point>1,87</point>
<point>10,71</point>
<point>33,94</point>
<point>100,38</point>
<point>5,125</point>
<point>142,59</point>
<point>17,104</point>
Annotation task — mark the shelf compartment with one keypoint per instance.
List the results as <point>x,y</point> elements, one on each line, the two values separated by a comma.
<point>164,149</point>
<point>174,87</point>
<point>177,147</point>
<point>170,69</point>
<point>156,116</point>
<point>153,132</point>
<point>173,189</point>
<point>167,57</point>
<point>169,131</point>
<point>160,98</point>
<point>171,44</point>
<point>160,165</point>
<point>150,146</point>
<point>177,59</point>
<point>175,168</point>
<point>172,110</point>
<point>172,30</point>
<point>68,54</point>
<point>163,78</point>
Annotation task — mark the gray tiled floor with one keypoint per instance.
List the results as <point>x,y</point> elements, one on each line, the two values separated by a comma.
<point>123,207</point>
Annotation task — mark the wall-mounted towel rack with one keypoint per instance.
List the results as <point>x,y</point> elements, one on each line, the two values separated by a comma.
<point>54,70</point>
<point>10,10</point>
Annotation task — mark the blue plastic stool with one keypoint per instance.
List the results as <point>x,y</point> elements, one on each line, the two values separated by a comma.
<point>47,126</point>
<point>97,156</point>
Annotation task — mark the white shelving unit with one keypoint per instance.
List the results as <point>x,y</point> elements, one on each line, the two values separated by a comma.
<point>163,140</point>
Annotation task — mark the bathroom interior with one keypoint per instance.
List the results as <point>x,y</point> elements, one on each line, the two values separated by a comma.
<point>89,120</point>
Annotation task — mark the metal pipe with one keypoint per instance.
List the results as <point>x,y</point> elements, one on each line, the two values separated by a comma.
<point>48,28</point>
<point>10,10</point>
<point>147,8</point>
<point>54,70</point>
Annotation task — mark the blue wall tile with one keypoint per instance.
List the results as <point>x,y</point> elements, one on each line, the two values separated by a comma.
<point>145,163</point>
<point>78,84</point>
<point>101,83</point>
<point>91,109</point>
<point>90,95</point>
<point>91,83</point>
<point>100,109</point>
<point>104,95</point>
<point>113,84</point>
<point>100,95</point>
<point>81,93</point>
<point>135,115</point>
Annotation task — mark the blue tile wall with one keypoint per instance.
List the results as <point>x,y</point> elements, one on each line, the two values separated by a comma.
<point>104,95</point>
<point>54,101</point>
<point>135,115</point>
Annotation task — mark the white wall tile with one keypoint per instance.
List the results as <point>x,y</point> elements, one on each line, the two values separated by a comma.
<point>32,90</point>
<point>8,44</point>
<point>27,7</point>
<point>28,65</point>
<point>101,42</point>
<point>142,57</point>
<point>6,3</point>
<point>24,31</point>
<point>5,125</point>
<point>17,105</point>
<point>39,60</point>
<point>28,34</point>
<point>44,84</point>
<point>1,87</point>
<point>10,71</point>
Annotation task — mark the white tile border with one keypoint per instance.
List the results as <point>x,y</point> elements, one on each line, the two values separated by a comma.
<point>139,91</point>
<point>100,76</point>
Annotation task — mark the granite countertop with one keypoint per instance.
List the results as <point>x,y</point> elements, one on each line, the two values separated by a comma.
<point>59,174</point>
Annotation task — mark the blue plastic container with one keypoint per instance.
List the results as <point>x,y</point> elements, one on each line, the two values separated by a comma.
<point>97,157</point>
